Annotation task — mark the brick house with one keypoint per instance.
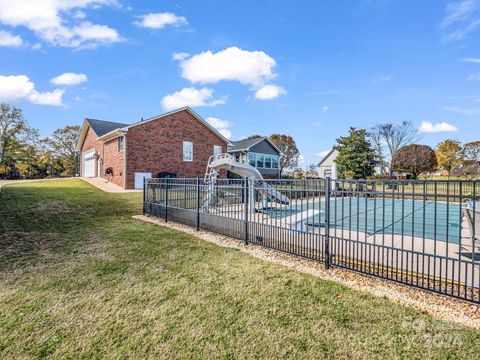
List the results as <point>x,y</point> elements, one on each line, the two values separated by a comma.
<point>178,142</point>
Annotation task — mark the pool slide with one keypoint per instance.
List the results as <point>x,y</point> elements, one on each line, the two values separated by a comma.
<point>228,162</point>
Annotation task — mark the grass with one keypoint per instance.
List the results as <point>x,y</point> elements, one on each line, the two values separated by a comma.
<point>79,278</point>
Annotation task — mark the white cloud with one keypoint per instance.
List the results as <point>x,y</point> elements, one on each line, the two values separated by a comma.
<point>20,87</point>
<point>161,20</point>
<point>190,97</point>
<point>474,77</point>
<point>383,78</point>
<point>463,111</point>
<point>69,79</point>
<point>218,123</point>
<point>221,125</point>
<point>268,92</point>
<point>8,39</point>
<point>59,23</point>
<point>180,56</point>
<point>428,127</point>
<point>324,153</point>
<point>462,17</point>
<point>247,67</point>
<point>472,60</point>
<point>225,132</point>
<point>324,108</point>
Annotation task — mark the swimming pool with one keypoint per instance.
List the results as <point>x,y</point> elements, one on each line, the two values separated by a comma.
<point>420,218</point>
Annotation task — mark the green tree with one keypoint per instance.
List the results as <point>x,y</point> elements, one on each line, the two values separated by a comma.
<point>62,144</point>
<point>290,155</point>
<point>449,154</point>
<point>415,159</point>
<point>355,154</point>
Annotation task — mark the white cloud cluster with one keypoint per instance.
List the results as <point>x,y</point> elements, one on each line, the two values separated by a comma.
<point>10,40</point>
<point>190,97</point>
<point>221,125</point>
<point>253,68</point>
<point>462,17</point>
<point>161,20</point>
<point>69,79</point>
<point>59,23</point>
<point>268,92</point>
<point>248,67</point>
<point>428,127</point>
<point>20,87</point>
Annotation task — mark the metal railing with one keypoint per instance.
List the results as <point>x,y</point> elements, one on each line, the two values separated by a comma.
<point>421,233</point>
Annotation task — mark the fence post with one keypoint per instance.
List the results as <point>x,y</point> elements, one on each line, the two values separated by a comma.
<point>246,194</point>
<point>144,195</point>
<point>327,223</point>
<point>198,204</point>
<point>166,199</point>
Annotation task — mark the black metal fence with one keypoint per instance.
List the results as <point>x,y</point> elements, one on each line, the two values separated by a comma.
<point>421,233</point>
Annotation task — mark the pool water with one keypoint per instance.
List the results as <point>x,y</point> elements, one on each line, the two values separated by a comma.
<point>425,219</point>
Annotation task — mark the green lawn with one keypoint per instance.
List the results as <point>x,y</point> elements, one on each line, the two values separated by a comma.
<point>79,278</point>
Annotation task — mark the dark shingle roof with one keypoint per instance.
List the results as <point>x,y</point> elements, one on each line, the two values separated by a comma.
<point>102,127</point>
<point>244,144</point>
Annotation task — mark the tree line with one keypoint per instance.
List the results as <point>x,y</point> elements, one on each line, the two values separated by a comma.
<point>25,154</point>
<point>395,151</point>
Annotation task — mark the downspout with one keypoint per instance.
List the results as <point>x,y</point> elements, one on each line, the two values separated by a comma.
<point>125,160</point>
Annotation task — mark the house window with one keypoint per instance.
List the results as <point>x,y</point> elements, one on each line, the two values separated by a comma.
<point>121,143</point>
<point>268,162</point>
<point>187,151</point>
<point>217,149</point>
<point>275,162</point>
<point>259,158</point>
<point>251,159</point>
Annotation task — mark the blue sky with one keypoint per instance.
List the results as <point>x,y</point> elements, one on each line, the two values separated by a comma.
<point>310,69</point>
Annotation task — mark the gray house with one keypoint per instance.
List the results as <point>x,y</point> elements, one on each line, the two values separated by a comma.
<point>259,152</point>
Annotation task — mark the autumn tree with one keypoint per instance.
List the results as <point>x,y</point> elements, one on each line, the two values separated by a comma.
<point>449,154</point>
<point>415,159</point>
<point>471,152</point>
<point>17,139</point>
<point>62,144</point>
<point>388,138</point>
<point>355,154</point>
<point>290,154</point>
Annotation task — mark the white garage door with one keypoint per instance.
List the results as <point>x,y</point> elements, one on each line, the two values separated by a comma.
<point>139,179</point>
<point>89,164</point>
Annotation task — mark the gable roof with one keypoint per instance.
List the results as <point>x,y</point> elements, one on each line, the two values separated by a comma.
<point>326,157</point>
<point>106,130</point>
<point>246,144</point>
<point>193,113</point>
<point>102,127</point>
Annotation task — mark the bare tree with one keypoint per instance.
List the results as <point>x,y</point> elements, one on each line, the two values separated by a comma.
<point>388,138</point>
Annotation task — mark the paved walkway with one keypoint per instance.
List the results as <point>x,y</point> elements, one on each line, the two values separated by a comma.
<point>106,186</point>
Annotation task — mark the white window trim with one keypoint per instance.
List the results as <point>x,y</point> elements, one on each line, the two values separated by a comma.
<point>183,151</point>
<point>215,147</point>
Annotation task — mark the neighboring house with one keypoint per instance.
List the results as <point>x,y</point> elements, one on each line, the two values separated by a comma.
<point>328,167</point>
<point>259,152</point>
<point>178,142</point>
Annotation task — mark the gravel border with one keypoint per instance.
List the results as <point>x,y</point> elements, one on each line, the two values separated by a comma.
<point>442,307</point>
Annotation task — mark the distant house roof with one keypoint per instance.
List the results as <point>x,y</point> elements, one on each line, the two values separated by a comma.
<point>326,157</point>
<point>246,144</point>
<point>102,127</point>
